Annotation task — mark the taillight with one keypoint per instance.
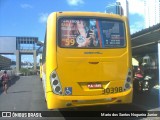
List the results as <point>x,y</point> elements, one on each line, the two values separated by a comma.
<point>128,81</point>
<point>55,83</point>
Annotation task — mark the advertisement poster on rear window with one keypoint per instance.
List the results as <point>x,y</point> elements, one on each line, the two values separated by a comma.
<point>91,33</point>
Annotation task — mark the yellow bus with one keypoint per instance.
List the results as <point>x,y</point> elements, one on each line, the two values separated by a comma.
<point>86,60</point>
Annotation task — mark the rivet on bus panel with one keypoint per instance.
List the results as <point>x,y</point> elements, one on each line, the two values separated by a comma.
<point>74,100</point>
<point>119,100</point>
<point>108,99</point>
<point>68,104</point>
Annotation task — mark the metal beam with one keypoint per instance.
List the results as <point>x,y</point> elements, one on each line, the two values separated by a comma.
<point>143,45</point>
<point>151,32</point>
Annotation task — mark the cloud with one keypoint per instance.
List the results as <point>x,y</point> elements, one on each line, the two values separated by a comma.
<point>75,2</point>
<point>136,7</point>
<point>26,6</point>
<point>137,26</point>
<point>43,17</point>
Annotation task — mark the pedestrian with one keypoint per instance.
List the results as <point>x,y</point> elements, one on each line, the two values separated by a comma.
<point>5,79</point>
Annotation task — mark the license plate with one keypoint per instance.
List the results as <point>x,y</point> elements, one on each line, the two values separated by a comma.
<point>94,85</point>
<point>112,90</point>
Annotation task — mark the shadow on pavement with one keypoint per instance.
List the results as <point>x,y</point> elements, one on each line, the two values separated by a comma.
<point>94,112</point>
<point>19,92</point>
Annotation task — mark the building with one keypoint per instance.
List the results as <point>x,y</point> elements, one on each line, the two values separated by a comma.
<point>20,46</point>
<point>114,8</point>
<point>120,7</point>
<point>5,63</point>
<point>152,12</point>
<point>125,7</point>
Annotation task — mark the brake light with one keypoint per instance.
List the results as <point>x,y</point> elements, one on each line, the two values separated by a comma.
<point>55,83</point>
<point>128,81</point>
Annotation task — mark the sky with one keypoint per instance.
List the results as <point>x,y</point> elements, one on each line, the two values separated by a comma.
<point>28,17</point>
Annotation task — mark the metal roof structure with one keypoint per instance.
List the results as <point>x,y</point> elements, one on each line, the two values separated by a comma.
<point>145,41</point>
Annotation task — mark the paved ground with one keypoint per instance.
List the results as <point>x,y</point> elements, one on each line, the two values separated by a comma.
<point>149,101</point>
<point>26,94</point>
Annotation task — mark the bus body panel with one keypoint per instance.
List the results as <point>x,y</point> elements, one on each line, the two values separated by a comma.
<point>51,63</point>
<point>78,72</point>
<point>56,101</point>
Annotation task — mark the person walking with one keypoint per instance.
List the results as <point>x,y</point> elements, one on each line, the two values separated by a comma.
<point>5,79</point>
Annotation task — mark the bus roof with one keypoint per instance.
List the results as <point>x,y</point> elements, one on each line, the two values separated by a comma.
<point>91,14</point>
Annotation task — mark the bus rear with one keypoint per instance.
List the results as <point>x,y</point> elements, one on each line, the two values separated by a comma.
<point>88,60</point>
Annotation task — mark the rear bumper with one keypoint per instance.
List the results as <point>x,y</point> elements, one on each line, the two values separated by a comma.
<point>55,101</point>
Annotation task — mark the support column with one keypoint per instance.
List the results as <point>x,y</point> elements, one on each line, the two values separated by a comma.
<point>35,60</point>
<point>17,61</point>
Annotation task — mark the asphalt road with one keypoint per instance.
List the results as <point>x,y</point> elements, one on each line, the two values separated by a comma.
<point>26,94</point>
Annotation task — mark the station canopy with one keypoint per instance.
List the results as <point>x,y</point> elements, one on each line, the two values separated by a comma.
<point>145,41</point>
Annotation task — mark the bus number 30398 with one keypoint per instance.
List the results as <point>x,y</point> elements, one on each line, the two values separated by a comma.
<point>112,90</point>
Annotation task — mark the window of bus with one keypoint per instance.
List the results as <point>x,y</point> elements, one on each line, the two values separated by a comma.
<point>91,33</point>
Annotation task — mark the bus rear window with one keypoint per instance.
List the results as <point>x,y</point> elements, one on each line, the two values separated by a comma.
<point>91,33</point>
